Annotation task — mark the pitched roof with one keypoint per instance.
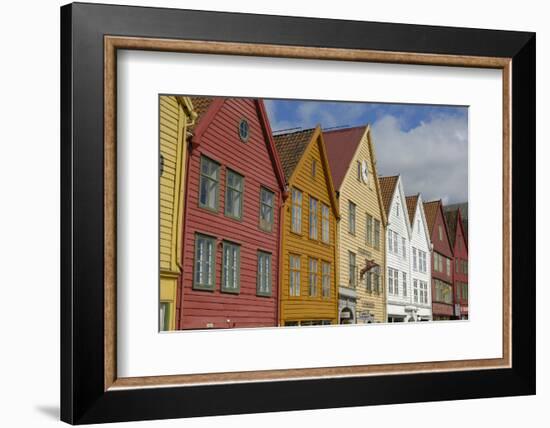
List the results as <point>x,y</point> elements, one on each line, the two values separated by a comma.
<point>411,206</point>
<point>451,219</point>
<point>341,146</point>
<point>201,105</point>
<point>387,187</point>
<point>291,147</point>
<point>430,209</point>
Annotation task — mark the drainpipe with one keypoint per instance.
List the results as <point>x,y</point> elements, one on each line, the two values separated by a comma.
<point>282,198</point>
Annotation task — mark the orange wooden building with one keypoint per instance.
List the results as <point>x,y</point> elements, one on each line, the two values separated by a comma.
<point>308,265</point>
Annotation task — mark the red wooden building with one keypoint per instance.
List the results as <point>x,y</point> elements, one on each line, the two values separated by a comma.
<point>459,243</point>
<point>235,190</point>
<point>442,262</point>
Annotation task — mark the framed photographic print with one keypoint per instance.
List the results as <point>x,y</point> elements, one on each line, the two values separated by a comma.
<point>266,213</point>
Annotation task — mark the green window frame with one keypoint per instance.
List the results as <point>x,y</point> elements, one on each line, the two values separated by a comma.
<point>234,190</point>
<point>264,280</point>
<point>204,275</point>
<point>209,184</point>
<point>267,211</point>
<point>313,277</point>
<point>296,224</point>
<point>231,267</point>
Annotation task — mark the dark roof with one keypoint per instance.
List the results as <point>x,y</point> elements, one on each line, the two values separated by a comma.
<point>451,219</point>
<point>412,201</point>
<point>291,147</point>
<point>200,105</point>
<point>387,187</point>
<point>341,145</point>
<point>463,209</point>
<point>430,209</point>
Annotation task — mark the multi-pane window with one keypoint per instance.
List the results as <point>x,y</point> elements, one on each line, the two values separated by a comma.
<point>267,198</point>
<point>393,281</point>
<point>325,278</point>
<point>404,276</point>
<point>209,184</point>
<point>352,269</point>
<point>443,292</point>
<point>313,277</point>
<point>263,285</point>
<point>448,266</point>
<point>369,230</point>
<point>294,261</point>
<point>376,284</point>
<point>377,234</point>
<point>395,242</point>
<point>404,248</point>
<point>464,291</point>
<point>164,313</point>
<point>415,290</point>
<point>205,262</point>
<point>414,259</point>
<point>234,195</point>
<point>423,292</point>
<point>465,267</point>
<point>440,232</point>
<point>439,262</point>
<point>351,218</point>
<point>325,223</point>
<point>369,281</point>
<point>231,266</point>
<point>296,211</point>
<point>313,217</point>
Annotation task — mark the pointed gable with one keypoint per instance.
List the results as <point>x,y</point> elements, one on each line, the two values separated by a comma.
<point>431,209</point>
<point>387,189</point>
<point>341,146</point>
<point>411,201</point>
<point>291,148</point>
<point>451,217</point>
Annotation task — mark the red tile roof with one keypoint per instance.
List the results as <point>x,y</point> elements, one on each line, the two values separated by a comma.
<point>387,187</point>
<point>412,201</point>
<point>291,147</point>
<point>341,145</point>
<point>430,209</point>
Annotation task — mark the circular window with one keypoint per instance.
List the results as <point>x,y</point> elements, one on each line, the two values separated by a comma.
<point>243,130</point>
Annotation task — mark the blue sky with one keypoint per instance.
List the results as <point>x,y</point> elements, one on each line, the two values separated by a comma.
<point>426,144</point>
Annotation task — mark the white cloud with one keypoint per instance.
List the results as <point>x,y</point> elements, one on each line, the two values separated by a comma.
<point>431,158</point>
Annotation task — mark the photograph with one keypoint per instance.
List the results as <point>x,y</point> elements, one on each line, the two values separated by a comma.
<point>292,212</point>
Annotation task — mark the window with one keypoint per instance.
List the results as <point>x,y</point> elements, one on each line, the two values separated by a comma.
<point>326,278</point>
<point>352,270</point>
<point>313,276</point>
<point>457,265</point>
<point>418,226</point>
<point>414,259</point>
<point>313,168</point>
<point>443,292</point>
<point>263,281</point>
<point>440,232</point>
<point>325,223</point>
<point>465,291</point>
<point>294,275</point>
<point>395,242</point>
<point>423,292</point>
<point>164,312</point>
<point>369,282</point>
<point>296,211</point>
<point>377,234</point>
<point>396,282</point>
<point>231,267</point>
<point>209,184</point>
<point>358,171</point>
<point>244,130</point>
<point>376,283</point>
<point>369,230</point>
<point>415,290</point>
<point>404,248</point>
<point>351,218</point>
<point>205,262</point>
<point>267,198</point>
<point>234,195</point>
<point>423,265</point>
<point>390,241</point>
<point>465,267</point>
<point>448,266</point>
<point>397,210</point>
<point>393,281</point>
<point>404,276</point>
<point>313,217</point>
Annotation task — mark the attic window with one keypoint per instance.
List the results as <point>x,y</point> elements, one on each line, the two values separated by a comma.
<point>313,168</point>
<point>243,130</point>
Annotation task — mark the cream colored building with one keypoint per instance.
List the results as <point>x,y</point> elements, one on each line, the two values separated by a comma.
<point>362,226</point>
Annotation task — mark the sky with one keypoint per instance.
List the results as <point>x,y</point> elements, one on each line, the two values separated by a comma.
<point>426,144</point>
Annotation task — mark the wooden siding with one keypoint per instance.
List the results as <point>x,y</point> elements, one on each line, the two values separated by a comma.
<point>460,252</point>
<point>367,199</point>
<point>173,120</point>
<point>443,247</point>
<point>304,307</point>
<point>220,142</point>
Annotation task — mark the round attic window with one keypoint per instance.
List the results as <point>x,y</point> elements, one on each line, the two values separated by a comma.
<point>243,130</point>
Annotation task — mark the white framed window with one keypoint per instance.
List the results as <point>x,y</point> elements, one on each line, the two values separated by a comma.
<point>325,223</point>
<point>313,217</point>
<point>390,241</point>
<point>414,259</point>
<point>415,290</point>
<point>404,283</point>
<point>313,277</point>
<point>352,270</point>
<point>263,285</point>
<point>395,242</point>
<point>397,209</point>
<point>448,267</point>
<point>296,211</point>
<point>368,231</point>
<point>404,248</point>
<point>351,217</point>
<point>390,280</point>
<point>325,266</point>
<point>377,234</point>
<point>231,267</point>
<point>294,261</point>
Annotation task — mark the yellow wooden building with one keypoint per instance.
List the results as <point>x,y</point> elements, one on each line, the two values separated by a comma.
<point>308,293</point>
<point>362,225</point>
<point>176,115</point>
